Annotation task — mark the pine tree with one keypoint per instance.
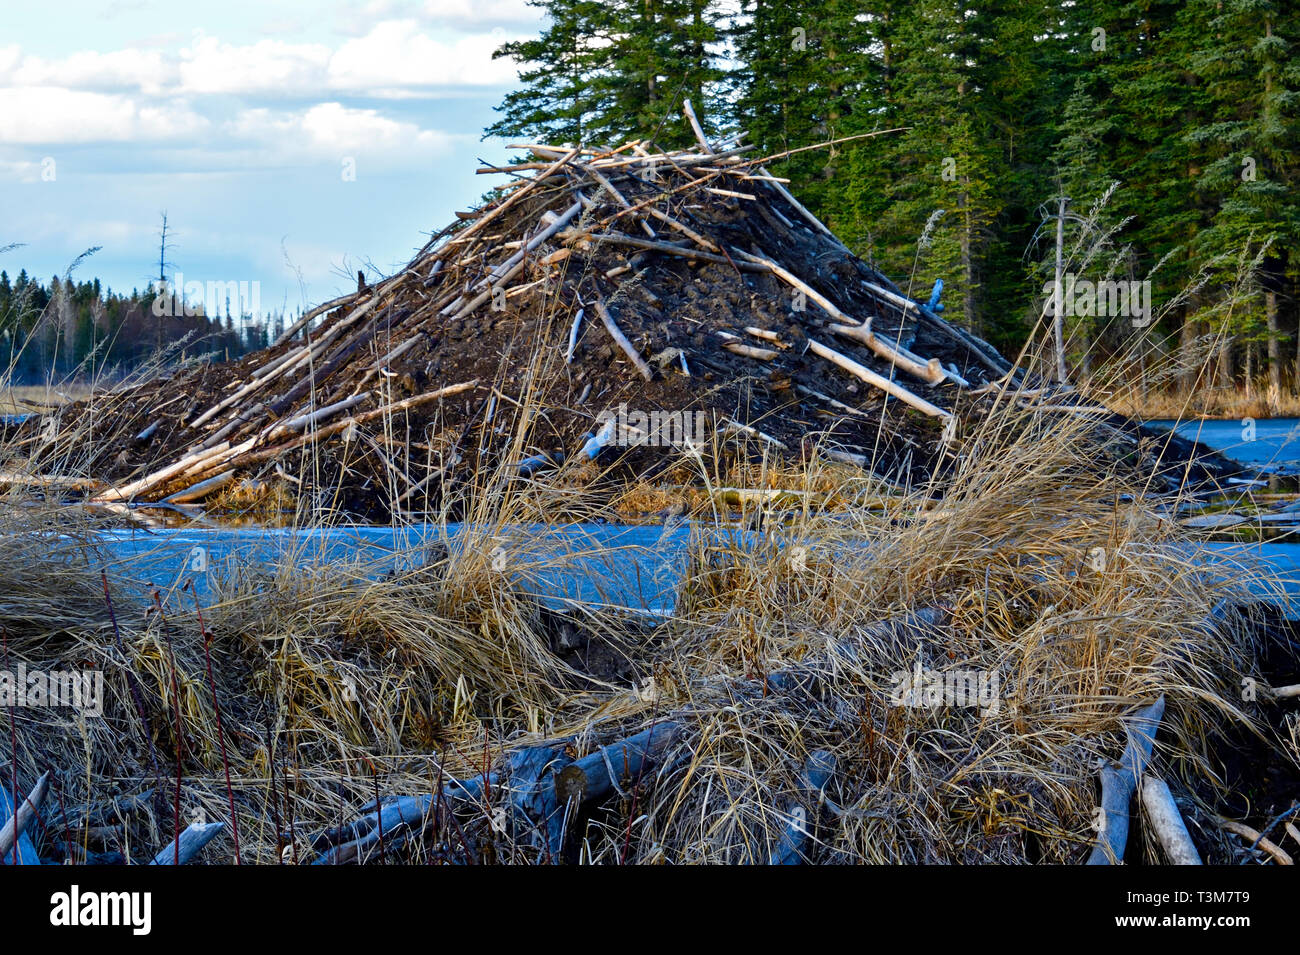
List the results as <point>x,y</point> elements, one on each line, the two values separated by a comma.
<point>603,73</point>
<point>555,100</point>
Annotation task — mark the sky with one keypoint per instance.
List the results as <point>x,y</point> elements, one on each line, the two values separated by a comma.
<point>289,143</point>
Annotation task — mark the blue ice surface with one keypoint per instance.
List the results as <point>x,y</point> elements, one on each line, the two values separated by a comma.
<point>1270,443</point>
<point>619,566</point>
<point>630,567</point>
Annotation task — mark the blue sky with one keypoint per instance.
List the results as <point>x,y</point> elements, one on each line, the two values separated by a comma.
<point>241,120</point>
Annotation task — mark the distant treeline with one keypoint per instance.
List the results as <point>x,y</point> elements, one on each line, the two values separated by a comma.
<point>64,328</point>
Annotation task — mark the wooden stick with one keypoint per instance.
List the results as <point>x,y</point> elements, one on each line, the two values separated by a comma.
<point>766,335</point>
<point>750,351</point>
<point>622,201</point>
<point>202,489</point>
<point>499,270</point>
<point>1280,855</point>
<point>280,367</point>
<point>618,238</point>
<point>191,839</point>
<point>736,347</point>
<point>1167,822</point>
<point>1120,780</point>
<point>23,815</point>
<point>304,421</point>
<point>829,307</point>
<point>730,194</point>
<point>267,454</point>
<point>735,426</point>
<point>684,229</point>
<point>871,378</point>
<point>931,371</point>
<point>545,174</point>
<point>993,361</point>
<point>127,491</point>
<point>621,340</point>
<point>18,479</point>
<point>293,329</point>
<point>696,127</point>
<point>573,336</point>
<point>796,204</point>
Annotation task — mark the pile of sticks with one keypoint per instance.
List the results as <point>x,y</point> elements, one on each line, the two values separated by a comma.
<point>586,231</point>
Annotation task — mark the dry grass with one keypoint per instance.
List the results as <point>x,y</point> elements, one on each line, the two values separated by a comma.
<point>335,687</point>
<point>21,399</point>
<point>1236,402</point>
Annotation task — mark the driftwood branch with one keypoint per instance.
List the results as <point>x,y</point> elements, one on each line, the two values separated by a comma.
<point>621,340</point>
<point>1167,822</point>
<point>879,381</point>
<point>188,843</point>
<point>816,773</point>
<point>1120,780</point>
<point>1257,839</point>
<point>17,823</point>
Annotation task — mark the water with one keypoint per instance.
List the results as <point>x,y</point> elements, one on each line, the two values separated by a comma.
<point>1267,443</point>
<point>1273,446</point>
<point>632,568</point>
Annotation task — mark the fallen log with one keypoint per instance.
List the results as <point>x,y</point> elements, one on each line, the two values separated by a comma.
<point>577,786</point>
<point>1119,781</point>
<point>188,843</point>
<point>816,773</point>
<point>1167,823</point>
<point>879,381</point>
<point>16,825</point>
<point>396,820</point>
<point>532,793</point>
<point>597,775</point>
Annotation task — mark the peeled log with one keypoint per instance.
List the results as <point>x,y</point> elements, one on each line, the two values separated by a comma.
<point>193,838</point>
<point>17,823</point>
<point>871,378</point>
<point>1120,780</point>
<point>1167,822</point>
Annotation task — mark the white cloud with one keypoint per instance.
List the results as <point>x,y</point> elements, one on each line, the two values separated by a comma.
<point>146,71</point>
<point>394,58</point>
<point>19,170</point>
<point>395,54</point>
<point>332,130</point>
<point>267,66</point>
<point>50,115</point>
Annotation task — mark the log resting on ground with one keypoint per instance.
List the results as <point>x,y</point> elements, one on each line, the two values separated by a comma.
<point>1120,780</point>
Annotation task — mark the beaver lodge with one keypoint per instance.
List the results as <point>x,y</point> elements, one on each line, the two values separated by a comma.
<point>600,286</point>
<point>931,671</point>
